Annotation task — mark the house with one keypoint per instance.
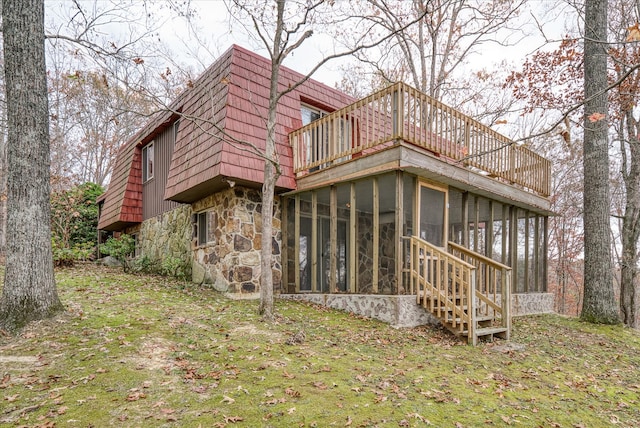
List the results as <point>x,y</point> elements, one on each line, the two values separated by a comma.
<point>394,206</point>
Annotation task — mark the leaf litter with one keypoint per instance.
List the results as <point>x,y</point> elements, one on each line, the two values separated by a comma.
<point>150,351</point>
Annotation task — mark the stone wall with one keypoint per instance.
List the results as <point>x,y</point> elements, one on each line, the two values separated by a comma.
<point>532,303</point>
<point>386,256</point>
<point>399,311</point>
<point>230,259</point>
<point>402,310</point>
<point>167,236</point>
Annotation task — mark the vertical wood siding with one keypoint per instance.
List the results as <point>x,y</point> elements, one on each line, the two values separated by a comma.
<point>153,202</point>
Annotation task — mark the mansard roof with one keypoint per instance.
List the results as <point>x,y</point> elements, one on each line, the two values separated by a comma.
<point>222,114</point>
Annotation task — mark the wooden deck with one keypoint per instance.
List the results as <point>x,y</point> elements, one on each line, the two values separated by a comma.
<point>467,292</point>
<point>402,114</point>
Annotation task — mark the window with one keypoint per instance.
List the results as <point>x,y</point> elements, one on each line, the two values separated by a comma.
<point>147,162</point>
<point>176,127</point>
<point>316,140</point>
<point>202,228</point>
<point>310,114</point>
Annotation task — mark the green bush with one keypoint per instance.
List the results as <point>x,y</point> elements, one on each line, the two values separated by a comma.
<point>74,223</point>
<point>178,268</point>
<point>121,248</point>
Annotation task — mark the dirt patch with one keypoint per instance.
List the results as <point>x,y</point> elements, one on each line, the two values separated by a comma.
<point>154,354</point>
<point>252,330</point>
<point>7,359</point>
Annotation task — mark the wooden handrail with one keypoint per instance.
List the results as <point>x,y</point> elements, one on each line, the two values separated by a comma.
<point>400,112</point>
<point>493,276</point>
<point>477,256</point>
<point>448,281</point>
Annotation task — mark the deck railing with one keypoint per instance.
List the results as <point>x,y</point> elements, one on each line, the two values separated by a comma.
<point>443,284</point>
<point>493,286</point>
<point>402,113</point>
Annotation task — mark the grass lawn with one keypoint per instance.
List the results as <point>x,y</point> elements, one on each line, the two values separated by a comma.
<point>149,351</point>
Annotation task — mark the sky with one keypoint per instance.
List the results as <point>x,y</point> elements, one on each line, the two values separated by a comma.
<point>200,40</point>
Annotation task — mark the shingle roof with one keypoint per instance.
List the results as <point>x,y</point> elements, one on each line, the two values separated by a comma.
<point>123,199</point>
<point>228,102</point>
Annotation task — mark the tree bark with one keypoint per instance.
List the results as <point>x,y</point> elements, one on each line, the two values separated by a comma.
<point>270,173</point>
<point>599,305</point>
<point>630,225</point>
<point>29,291</point>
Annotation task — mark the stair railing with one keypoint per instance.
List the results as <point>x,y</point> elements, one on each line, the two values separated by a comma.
<point>444,284</point>
<point>493,286</point>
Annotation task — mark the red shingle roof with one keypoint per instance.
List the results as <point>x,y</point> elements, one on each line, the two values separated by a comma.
<point>123,200</point>
<point>227,103</point>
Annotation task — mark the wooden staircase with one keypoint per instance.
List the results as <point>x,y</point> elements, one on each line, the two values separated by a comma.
<point>463,289</point>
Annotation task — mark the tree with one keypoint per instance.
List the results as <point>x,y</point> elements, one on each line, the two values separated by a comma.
<point>599,304</point>
<point>29,291</point>
<point>430,54</point>
<point>281,29</point>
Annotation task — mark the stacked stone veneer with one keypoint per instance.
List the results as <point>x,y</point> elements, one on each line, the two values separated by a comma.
<point>386,254</point>
<point>230,260</point>
<point>399,311</point>
<point>403,311</point>
<point>167,236</point>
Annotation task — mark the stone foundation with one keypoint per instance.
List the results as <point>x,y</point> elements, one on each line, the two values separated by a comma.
<point>402,311</point>
<point>532,303</point>
<point>230,259</point>
<point>167,236</point>
<point>399,311</point>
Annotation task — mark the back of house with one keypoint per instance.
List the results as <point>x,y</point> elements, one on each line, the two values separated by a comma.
<point>371,193</point>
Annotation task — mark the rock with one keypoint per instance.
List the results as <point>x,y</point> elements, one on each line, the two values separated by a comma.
<point>109,261</point>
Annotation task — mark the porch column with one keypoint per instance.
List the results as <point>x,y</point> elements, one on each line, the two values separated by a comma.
<point>376,234</point>
<point>399,256</point>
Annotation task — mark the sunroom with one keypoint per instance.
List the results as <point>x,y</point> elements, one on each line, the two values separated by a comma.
<point>400,195</point>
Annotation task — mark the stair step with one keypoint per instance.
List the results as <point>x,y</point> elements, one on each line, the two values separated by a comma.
<point>489,331</point>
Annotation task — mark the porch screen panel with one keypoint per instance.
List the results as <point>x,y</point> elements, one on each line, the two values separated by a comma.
<point>456,225</point>
<point>305,242</point>
<point>432,215</point>
<point>323,244</point>
<point>365,240</point>
<point>521,251</point>
<point>386,235</point>
<point>290,264</point>
<point>497,233</point>
<point>340,235</point>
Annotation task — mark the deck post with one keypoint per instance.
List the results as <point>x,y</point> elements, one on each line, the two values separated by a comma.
<point>506,302</point>
<point>471,290</point>
<point>296,234</point>
<point>284,253</point>
<point>398,231</point>
<point>376,234</point>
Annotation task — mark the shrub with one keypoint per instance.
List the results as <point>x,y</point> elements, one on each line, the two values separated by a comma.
<point>120,248</point>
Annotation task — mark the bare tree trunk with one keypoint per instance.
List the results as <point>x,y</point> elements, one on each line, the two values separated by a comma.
<point>630,226</point>
<point>270,173</point>
<point>29,291</point>
<point>599,304</point>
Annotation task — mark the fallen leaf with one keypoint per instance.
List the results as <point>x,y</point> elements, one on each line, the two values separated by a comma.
<point>292,392</point>
<point>291,411</point>
<point>11,398</point>
<point>233,419</point>
<point>226,399</point>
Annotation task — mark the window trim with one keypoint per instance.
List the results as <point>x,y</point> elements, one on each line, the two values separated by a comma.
<point>202,222</point>
<point>148,162</point>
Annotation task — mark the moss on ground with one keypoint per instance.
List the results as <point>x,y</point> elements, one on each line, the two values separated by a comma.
<point>148,351</point>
